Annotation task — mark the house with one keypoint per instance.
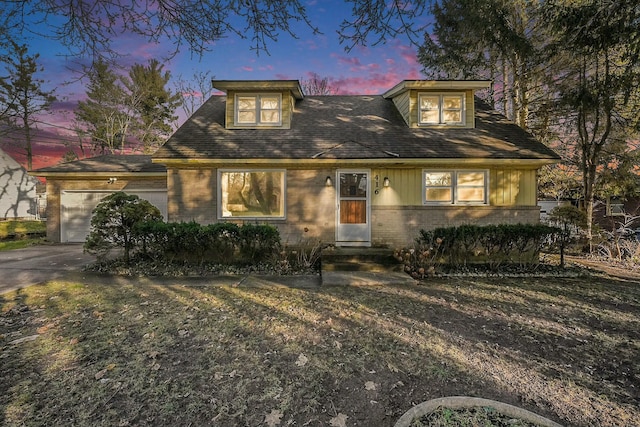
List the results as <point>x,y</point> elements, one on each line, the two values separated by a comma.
<point>368,170</point>
<point>18,198</point>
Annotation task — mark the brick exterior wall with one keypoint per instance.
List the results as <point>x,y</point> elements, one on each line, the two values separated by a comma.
<point>398,226</point>
<point>191,195</point>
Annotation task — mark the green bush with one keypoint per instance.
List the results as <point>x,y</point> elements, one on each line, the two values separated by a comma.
<point>258,242</point>
<point>491,245</point>
<point>222,243</point>
<point>116,224</point>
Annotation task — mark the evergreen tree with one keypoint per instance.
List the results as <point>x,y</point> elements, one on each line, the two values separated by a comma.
<point>103,116</point>
<point>127,113</point>
<point>22,97</point>
<point>595,52</point>
<point>151,103</point>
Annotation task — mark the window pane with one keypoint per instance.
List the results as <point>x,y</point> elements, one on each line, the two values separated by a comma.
<point>429,117</point>
<point>437,178</point>
<point>269,116</point>
<point>246,103</point>
<point>452,117</point>
<point>252,194</point>
<point>269,103</point>
<point>429,102</point>
<point>246,116</point>
<point>353,185</point>
<point>471,178</point>
<point>452,102</point>
<point>471,194</point>
<point>438,194</point>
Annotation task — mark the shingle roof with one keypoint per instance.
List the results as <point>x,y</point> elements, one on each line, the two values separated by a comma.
<point>349,127</point>
<point>110,163</point>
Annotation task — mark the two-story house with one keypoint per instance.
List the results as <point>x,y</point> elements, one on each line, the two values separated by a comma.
<point>362,170</point>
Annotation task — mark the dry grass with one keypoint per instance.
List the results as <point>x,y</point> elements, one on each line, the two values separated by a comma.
<point>107,352</point>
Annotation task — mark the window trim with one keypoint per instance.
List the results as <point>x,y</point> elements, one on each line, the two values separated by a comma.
<point>257,97</point>
<point>441,96</point>
<point>611,202</point>
<point>454,201</point>
<point>219,207</point>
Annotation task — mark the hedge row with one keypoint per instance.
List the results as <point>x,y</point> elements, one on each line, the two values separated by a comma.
<point>491,245</point>
<point>222,242</point>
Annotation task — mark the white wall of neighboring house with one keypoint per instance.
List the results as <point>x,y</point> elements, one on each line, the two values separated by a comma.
<point>17,190</point>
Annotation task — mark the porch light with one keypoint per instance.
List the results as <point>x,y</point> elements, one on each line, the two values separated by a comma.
<point>328,182</point>
<point>112,180</point>
<point>386,182</point>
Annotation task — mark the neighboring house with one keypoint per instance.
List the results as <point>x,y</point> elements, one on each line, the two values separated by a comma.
<point>368,170</point>
<point>18,198</point>
<point>620,214</point>
<point>74,189</point>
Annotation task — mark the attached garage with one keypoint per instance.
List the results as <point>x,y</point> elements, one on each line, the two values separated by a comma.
<point>76,208</point>
<point>74,189</point>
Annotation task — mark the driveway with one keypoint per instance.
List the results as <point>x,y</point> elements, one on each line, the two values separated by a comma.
<point>36,264</point>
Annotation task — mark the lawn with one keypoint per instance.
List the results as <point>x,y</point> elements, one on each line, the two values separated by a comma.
<point>20,234</point>
<point>119,352</point>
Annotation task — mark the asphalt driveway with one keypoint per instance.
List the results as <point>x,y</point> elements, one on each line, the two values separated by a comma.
<point>36,264</point>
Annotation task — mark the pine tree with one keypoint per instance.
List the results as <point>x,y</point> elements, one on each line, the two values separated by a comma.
<point>22,97</point>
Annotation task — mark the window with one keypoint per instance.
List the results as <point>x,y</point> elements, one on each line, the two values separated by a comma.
<point>615,207</point>
<point>251,193</point>
<point>262,109</point>
<point>441,109</point>
<point>455,187</point>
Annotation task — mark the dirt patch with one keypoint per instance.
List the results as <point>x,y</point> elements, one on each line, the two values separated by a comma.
<point>131,352</point>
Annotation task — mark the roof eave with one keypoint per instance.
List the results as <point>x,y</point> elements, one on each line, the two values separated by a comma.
<point>529,162</point>
<point>93,174</point>
<point>251,85</point>
<point>406,85</point>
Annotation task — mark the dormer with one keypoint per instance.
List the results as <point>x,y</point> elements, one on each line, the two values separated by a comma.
<point>259,104</point>
<point>436,103</point>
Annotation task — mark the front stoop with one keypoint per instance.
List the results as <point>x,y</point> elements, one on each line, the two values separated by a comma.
<point>361,266</point>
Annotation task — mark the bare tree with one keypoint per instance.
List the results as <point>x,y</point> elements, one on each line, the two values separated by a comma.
<point>87,27</point>
<point>195,91</point>
<point>316,85</point>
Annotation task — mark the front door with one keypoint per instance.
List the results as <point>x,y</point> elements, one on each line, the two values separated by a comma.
<point>354,228</point>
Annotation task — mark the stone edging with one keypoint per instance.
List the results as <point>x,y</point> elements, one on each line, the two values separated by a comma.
<point>458,402</point>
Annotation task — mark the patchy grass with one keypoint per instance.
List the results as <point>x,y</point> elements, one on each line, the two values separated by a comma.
<point>10,245</point>
<point>21,234</point>
<point>129,351</point>
<point>474,416</point>
<point>12,228</point>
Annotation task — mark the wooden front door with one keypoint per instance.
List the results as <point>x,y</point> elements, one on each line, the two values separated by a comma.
<point>354,228</point>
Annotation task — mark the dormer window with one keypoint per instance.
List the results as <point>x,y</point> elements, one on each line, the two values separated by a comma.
<point>441,109</point>
<point>259,109</point>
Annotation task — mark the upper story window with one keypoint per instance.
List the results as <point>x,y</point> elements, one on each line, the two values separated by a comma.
<point>259,109</point>
<point>455,187</point>
<point>441,109</point>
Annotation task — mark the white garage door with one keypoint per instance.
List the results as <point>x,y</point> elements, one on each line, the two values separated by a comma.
<point>76,208</point>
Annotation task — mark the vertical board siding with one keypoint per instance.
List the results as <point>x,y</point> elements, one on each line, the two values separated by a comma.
<point>513,187</point>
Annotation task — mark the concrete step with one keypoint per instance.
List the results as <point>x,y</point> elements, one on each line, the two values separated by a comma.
<point>372,266</point>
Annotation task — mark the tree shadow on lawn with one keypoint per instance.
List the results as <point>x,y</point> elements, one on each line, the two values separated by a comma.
<point>131,352</point>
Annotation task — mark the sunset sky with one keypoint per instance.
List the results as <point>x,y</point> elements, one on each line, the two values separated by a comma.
<point>363,70</point>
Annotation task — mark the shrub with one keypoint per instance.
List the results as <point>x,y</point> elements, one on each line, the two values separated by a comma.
<point>115,224</point>
<point>223,243</point>
<point>491,245</point>
<point>258,242</point>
